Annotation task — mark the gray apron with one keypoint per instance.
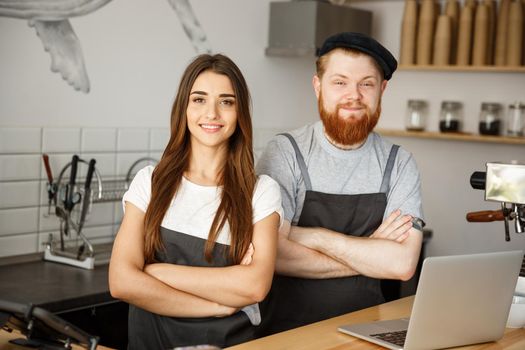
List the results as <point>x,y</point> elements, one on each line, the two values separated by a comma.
<point>151,331</point>
<point>294,302</point>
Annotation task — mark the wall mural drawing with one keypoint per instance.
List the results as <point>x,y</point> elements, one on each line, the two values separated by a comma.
<point>50,18</point>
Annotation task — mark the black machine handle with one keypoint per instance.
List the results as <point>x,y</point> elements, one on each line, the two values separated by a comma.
<point>478,180</point>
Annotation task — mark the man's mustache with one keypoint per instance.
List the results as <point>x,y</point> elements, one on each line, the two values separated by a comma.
<point>351,105</point>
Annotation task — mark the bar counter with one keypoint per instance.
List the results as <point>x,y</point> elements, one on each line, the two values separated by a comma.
<point>324,335</point>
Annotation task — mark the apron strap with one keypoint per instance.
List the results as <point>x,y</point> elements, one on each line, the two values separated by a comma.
<point>385,184</point>
<point>300,160</point>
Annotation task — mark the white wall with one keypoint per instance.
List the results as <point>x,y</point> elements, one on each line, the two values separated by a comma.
<point>135,51</point>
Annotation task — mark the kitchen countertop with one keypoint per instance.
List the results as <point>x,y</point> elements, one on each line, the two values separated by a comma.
<point>53,286</point>
<point>324,334</point>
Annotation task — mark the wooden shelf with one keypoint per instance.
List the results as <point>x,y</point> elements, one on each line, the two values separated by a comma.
<point>494,69</point>
<point>453,136</point>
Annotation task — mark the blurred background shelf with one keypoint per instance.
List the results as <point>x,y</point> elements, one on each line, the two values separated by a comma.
<point>494,69</point>
<point>467,137</point>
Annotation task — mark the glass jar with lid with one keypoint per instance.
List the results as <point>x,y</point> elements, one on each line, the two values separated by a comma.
<point>416,115</point>
<point>490,118</point>
<point>451,116</point>
<point>516,120</point>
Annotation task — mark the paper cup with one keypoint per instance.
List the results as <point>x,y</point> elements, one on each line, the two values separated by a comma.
<point>517,312</point>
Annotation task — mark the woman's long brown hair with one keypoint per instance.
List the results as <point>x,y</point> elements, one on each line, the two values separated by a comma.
<point>237,177</point>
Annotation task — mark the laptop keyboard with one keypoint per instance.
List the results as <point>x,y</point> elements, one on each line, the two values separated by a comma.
<point>397,338</point>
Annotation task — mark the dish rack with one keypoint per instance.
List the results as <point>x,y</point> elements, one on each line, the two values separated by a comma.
<point>72,219</point>
<point>113,190</point>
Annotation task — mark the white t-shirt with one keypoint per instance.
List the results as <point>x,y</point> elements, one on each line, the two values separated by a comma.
<point>337,171</point>
<point>194,207</point>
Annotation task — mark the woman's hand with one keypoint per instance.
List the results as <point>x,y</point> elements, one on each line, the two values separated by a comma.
<point>225,311</point>
<point>150,270</point>
<point>154,270</point>
<point>248,257</point>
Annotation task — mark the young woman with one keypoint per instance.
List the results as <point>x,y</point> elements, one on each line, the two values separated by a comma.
<point>196,249</point>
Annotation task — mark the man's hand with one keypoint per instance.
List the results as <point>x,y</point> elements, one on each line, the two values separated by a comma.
<point>395,227</point>
<point>297,260</point>
<point>390,252</point>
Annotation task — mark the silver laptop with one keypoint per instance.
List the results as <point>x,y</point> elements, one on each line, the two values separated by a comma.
<point>460,300</point>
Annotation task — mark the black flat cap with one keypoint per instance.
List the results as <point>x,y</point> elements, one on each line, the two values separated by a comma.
<point>365,44</point>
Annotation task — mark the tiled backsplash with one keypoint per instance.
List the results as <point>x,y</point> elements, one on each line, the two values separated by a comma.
<point>24,220</point>
<point>25,224</point>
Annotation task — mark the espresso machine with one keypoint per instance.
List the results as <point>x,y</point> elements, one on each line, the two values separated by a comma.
<point>504,183</point>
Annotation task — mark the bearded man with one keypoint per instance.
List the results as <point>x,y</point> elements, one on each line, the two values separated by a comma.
<point>351,199</point>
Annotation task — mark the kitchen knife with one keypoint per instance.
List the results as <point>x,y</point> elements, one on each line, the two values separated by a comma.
<point>71,186</point>
<point>51,186</point>
<point>45,157</point>
<point>71,197</point>
<point>87,193</point>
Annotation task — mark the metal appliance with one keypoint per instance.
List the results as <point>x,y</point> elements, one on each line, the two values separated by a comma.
<point>299,27</point>
<point>504,183</point>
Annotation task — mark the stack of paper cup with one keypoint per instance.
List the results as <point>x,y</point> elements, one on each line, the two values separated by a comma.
<point>517,309</point>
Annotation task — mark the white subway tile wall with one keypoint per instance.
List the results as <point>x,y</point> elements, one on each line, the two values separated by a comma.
<point>61,140</point>
<point>16,221</point>
<point>18,245</point>
<point>158,139</point>
<point>20,140</point>
<point>132,139</point>
<point>25,219</point>
<point>99,140</point>
<point>17,167</point>
<point>126,160</point>
<point>25,224</point>
<point>19,194</point>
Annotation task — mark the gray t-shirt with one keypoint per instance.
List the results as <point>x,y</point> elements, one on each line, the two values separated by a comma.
<point>337,171</point>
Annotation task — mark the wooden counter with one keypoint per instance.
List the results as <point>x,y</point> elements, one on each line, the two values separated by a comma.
<point>324,335</point>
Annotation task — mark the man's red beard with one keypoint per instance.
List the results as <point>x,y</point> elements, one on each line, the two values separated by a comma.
<point>348,131</point>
